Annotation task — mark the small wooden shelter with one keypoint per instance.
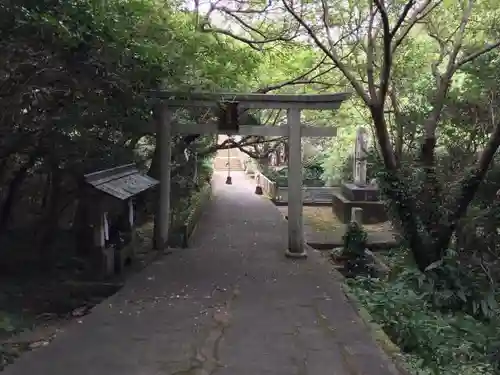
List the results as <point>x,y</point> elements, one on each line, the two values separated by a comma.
<point>111,214</point>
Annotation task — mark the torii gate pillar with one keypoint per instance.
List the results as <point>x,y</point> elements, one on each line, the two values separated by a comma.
<point>163,117</point>
<point>295,198</point>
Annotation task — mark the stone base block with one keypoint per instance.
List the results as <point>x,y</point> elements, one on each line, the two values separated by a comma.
<point>292,255</point>
<point>373,212</point>
<point>356,193</point>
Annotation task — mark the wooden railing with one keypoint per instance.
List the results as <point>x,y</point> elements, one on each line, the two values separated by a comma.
<point>268,186</point>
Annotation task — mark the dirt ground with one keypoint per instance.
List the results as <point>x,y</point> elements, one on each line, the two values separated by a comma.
<point>322,219</point>
<point>324,231</point>
<point>36,306</point>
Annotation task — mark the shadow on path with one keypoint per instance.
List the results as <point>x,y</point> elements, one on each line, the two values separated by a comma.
<point>230,305</point>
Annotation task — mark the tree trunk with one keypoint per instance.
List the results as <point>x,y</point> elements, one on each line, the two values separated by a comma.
<point>50,221</point>
<point>46,192</point>
<point>394,188</point>
<point>285,152</point>
<point>13,189</point>
<point>154,168</point>
<point>264,162</point>
<point>431,189</point>
<point>383,138</point>
<point>82,230</point>
<point>399,142</point>
<point>20,145</point>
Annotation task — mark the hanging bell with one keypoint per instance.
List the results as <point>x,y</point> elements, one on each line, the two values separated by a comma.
<point>229,180</point>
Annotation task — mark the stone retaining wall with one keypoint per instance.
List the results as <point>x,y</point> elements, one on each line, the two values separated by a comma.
<point>310,195</point>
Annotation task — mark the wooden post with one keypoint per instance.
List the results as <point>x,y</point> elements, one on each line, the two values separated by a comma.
<point>99,235</point>
<point>295,228</point>
<point>106,255</point>
<point>130,204</point>
<point>163,140</point>
<point>106,226</point>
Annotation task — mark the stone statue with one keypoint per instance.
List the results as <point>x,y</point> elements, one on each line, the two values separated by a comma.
<point>361,193</point>
<point>360,153</point>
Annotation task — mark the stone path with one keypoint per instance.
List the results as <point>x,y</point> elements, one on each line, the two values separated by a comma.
<point>230,305</point>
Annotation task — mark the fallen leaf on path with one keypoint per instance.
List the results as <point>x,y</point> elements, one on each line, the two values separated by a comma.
<point>80,311</point>
<point>38,344</point>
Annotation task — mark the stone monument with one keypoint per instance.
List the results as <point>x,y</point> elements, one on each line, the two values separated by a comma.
<point>359,193</point>
<point>359,160</point>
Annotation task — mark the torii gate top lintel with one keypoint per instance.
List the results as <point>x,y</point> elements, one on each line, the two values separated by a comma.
<point>252,100</point>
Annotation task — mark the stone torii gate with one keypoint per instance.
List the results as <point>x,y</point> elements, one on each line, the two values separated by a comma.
<point>229,106</point>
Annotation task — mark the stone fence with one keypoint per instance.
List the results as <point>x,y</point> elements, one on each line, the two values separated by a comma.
<point>312,196</point>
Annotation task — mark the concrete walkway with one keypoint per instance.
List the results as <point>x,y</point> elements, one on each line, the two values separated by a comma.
<point>230,305</point>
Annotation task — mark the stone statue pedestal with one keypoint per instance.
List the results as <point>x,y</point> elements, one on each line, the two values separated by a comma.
<point>363,196</point>
<point>359,194</point>
<point>355,192</point>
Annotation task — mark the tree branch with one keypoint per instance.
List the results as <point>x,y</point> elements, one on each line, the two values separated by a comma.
<point>370,51</point>
<point>420,13</point>
<point>296,80</point>
<point>469,186</point>
<point>387,62</point>
<point>244,142</point>
<point>443,84</point>
<point>331,54</point>
<point>475,55</point>
<point>402,17</point>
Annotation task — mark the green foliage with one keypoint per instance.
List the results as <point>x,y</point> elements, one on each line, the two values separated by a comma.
<point>478,234</point>
<point>74,85</point>
<point>354,241</point>
<point>311,175</point>
<point>422,316</point>
<point>187,215</point>
<point>6,323</point>
<point>445,343</point>
<point>451,286</point>
<point>355,258</point>
<point>337,160</point>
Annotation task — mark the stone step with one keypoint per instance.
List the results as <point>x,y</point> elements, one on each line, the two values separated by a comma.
<point>234,152</point>
<point>221,164</point>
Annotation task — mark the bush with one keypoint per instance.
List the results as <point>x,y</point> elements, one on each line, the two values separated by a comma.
<point>354,246</point>
<point>436,340</point>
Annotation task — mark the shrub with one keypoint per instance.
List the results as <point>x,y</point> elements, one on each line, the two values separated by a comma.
<point>437,340</point>
<point>354,251</point>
